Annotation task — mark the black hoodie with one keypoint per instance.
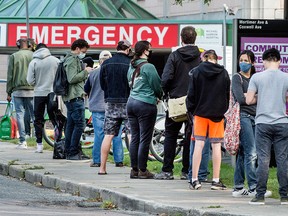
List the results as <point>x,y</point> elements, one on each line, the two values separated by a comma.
<point>175,77</point>
<point>208,93</point>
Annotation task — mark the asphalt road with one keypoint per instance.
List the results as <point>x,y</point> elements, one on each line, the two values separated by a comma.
<point>22,198</point>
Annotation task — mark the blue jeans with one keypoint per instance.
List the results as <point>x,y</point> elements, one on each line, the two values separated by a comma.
<point>20,104</point>
<point>142,118</point>
<point>98,125</point>
<point>203,169</point>
<point>265,135</point>
<point>246,157</point>
<point>74,126</point>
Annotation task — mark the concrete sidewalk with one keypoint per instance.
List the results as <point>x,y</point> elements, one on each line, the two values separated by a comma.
<point>172,197</point>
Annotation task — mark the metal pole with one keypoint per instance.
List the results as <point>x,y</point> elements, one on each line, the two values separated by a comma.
<point>286,9</point>
<point>27,19</point>
<point>224,36</point>
<point>166,12</point>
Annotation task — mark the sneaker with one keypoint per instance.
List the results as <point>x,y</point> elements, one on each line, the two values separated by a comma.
<point>257,201</point>
<point>184,176</point>
<point>241,193</point>
<point>119,164</point>
<point>218,186</point>
<point>39,148</point>
<point>92,164</point>
<point>195,185</point>
<point>133,174</point>
<point>145,175</point>
<point>164,176</point>
<point>253,193</point>
<point>22,145</point>
<point>284,200</point>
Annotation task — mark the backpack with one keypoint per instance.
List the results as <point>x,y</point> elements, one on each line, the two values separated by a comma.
<point>59,150</point>
<point>61,84</point>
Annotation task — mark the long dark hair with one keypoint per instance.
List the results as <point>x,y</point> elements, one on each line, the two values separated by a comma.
<point>251,56</point>
<point>140,47</point>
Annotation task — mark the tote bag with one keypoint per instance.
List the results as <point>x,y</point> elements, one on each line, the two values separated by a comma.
<point>232,129</point>
<point>177,109</point>
<point>8,124</point>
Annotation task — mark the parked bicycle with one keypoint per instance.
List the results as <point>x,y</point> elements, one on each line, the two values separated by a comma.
<point>87,137</point>
<point>157,144</point>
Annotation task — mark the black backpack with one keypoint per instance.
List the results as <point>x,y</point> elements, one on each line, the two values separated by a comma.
<point>61,84</point>
<point>59,150</point>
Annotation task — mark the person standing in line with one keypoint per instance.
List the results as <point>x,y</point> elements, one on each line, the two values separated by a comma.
<point>41,74</point>
<point>74,100</point>
<point>114,83</point>
<point>97,107</point>
<point>27,117</point>
<point>17,84</point>
<point>207,101</point>
<point>270,89</point>
<point>203,169</point>
<point>246,158</point>
<point>146,89</point>
<point>175,80</point>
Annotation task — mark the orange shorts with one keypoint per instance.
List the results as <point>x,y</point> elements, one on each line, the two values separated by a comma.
<point>204,127</point>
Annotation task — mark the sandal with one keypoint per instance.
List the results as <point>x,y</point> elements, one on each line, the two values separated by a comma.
<point>99,173</point>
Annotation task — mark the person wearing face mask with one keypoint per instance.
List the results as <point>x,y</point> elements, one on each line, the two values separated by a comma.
<point>246,157</point>
<point>74,100</point>
<point>145,85</point>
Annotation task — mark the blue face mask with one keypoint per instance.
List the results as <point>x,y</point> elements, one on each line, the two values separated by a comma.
<point>245,67</point>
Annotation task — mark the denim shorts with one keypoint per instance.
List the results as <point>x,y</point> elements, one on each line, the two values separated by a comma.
<point>115,115</point>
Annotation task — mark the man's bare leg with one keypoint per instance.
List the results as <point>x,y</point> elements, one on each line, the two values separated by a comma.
<point>105,148</point>
<point>197,157</point>
<point>216,159</point>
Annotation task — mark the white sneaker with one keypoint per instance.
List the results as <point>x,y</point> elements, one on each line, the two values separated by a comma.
<point>253,193</point>
<point>240,193</point>
<point>39,148</point>
<point>22,145</point>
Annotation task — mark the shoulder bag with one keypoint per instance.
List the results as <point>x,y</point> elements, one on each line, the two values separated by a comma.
<point>232,129</point>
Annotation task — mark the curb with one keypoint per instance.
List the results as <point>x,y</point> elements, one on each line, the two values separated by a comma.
<point>122,201</point>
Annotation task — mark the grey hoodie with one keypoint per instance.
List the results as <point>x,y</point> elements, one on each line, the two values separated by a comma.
<point>41,72</point>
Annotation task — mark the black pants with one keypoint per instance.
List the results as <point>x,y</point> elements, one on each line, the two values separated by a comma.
<point>142,117</point>
<point>171,134</point>
<point>39,111</point>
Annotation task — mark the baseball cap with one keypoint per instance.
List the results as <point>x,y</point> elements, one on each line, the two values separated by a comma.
<point>204,52</point>
<point>124,42</point>
<point>105,54</point>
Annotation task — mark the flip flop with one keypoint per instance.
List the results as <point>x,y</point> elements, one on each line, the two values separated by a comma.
<point>102,173</point>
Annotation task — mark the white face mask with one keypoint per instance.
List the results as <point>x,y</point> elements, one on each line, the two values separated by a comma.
<point>81,55</point>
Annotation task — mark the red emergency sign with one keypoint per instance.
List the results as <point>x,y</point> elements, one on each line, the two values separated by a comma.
<point>97,35</point>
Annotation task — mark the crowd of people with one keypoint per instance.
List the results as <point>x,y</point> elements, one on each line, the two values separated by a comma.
<point>125,90</point>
